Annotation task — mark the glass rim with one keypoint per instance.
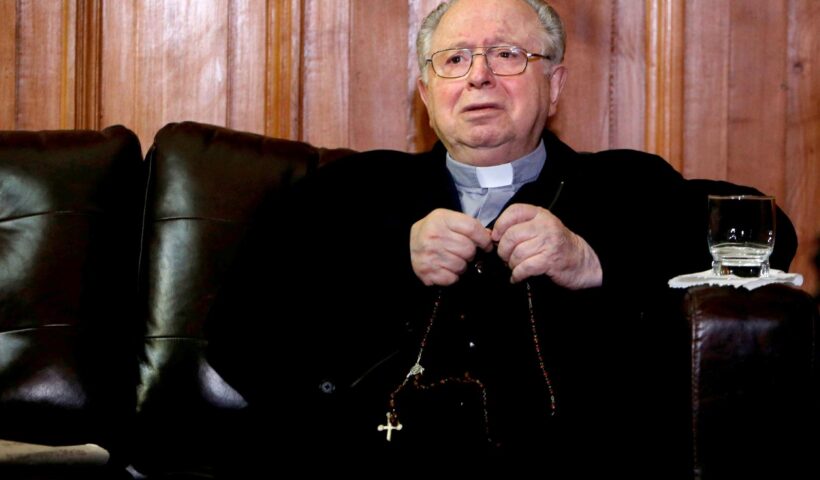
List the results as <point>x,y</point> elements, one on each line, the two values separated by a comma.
<point>741,197</point>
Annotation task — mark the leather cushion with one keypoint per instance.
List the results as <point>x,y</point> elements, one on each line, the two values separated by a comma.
<point>69,229</point>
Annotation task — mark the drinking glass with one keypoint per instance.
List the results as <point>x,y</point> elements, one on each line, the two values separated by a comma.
<point>741,234</point>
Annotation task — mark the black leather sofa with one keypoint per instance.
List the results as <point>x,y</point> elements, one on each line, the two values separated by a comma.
<point>110,264</point>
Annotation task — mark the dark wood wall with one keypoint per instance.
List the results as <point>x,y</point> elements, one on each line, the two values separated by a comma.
<point>723,89</point>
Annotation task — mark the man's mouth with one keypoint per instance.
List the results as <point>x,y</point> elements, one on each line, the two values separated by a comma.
<point>477,107</point>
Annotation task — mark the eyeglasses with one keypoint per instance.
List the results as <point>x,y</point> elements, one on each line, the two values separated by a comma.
<point>502,60</point>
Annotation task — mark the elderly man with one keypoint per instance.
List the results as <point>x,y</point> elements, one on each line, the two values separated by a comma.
<point>520,316</point>
<point>489,110</point>
<point>471,336</point>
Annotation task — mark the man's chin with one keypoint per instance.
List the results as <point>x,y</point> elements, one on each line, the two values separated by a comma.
<point>484,139</point>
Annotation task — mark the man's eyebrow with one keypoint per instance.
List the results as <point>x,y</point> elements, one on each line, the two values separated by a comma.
<point>494,43</point>
<point>458,45</point>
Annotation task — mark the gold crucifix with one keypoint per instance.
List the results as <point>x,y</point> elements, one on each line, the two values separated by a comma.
<point>392,424</point>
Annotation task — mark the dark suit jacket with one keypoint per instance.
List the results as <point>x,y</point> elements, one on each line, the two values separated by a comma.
<point>348,316</point>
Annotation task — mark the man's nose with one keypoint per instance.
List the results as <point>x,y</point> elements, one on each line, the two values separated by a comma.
<point>480,73</point>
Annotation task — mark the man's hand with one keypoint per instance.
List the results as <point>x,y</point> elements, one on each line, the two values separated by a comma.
<point>443,242</point>
<point>534,242</point>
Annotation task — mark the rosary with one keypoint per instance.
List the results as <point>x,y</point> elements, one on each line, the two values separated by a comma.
<point>415,375</point>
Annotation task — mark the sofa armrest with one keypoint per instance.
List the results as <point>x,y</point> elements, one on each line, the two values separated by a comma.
<point>754,378</point>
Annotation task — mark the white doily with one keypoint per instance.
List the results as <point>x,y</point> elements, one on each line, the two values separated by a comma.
<point>750,283</point>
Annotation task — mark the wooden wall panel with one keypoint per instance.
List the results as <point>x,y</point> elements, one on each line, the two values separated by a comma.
<point>604,102</point>
<point>706,95</point>
<point>119,70</point>
<point>378,73</point>
<point>283,69</point>
<point>179,54</point>
<point>801,159</point>
<point>757,95</point>
<point>88,63</point>
<point>45,72</point>
<point>627,92</point>
<point>124,75</point>
<point>8,64</point>
<point>355,68</point>
<point>326,77</point>
<point>664,79</point>
<point>246,65</point>
<point>583,112</point>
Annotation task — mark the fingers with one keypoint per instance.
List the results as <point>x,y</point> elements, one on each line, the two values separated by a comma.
<point>470,228</point>
<point>526,269</point>
<point>533,241</point>
<point>452,231</point>
<point>442,243</point>
<point>444,270</point>
<point>525,229</point>
<point>546,248</point>
<point>515,214</point>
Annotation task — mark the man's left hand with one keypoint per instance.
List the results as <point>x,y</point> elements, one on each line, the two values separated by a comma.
<point>533,242</point>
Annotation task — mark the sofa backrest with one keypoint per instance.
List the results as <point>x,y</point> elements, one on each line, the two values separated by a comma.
<point>70,208</point>
<point>206,187</point>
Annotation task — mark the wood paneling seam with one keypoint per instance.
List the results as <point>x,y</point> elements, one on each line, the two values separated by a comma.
<point>64,75</point>
<point>17,57</point>
<point>88,64</point>
<point>613,107</point>
<point>229,61</point>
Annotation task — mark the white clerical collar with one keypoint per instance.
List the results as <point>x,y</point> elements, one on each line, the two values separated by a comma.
<point>495,176</point>
<point>520,171</point>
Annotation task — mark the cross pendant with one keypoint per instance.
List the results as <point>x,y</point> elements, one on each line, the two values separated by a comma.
<point>391,420</point>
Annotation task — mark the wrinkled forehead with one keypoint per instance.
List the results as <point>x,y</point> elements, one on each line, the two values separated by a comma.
<point>471,23</point>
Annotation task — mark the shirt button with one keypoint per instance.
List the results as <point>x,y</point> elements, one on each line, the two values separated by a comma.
<point>327,387</point>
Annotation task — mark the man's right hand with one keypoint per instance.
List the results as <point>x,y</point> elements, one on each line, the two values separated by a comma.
<point>443,242</point>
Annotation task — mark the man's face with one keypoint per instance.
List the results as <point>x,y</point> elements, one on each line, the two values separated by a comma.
<point>484,119</point>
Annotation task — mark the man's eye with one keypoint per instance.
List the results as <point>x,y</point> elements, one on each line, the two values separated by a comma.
<point>456,59</point>
<point>507,54</point>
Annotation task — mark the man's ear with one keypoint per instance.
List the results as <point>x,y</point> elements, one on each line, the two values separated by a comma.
<point>557,80</point>
<point>424,98</point>
<point>423,91</point>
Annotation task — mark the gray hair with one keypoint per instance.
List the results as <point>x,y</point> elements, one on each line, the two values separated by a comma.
<point>554,35</point>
